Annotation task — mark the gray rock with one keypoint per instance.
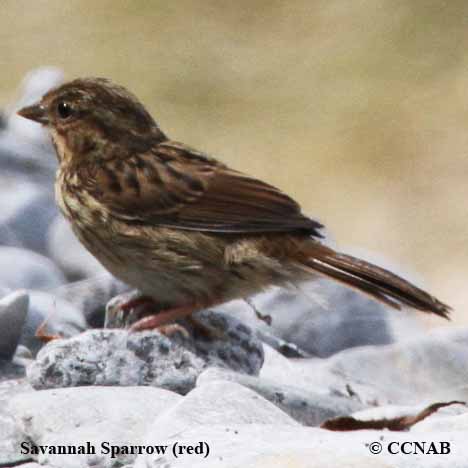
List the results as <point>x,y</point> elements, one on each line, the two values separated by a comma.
<point>426,369</point>
<point>306,407</point>
<point>116,357</point>
<point>68,252</point>
<point>91,296</point>
<point>322,318</point>
<point>74,416</point>
<point>13,369</point>
<point>28,212</point>
<point>28,270</point>
<point>8,236</point>
<point>24,145</point>
<point>13,311</point>
<point>62,319</point>
<point>210,334</point>
<point>32,156</point>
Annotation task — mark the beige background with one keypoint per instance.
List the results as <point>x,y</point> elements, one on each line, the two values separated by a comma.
<point>359,109</point>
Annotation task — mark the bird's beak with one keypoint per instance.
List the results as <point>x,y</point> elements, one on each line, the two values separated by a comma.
<point>36,112</point>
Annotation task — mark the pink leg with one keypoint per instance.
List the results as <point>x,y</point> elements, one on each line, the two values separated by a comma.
<point>164,317</point>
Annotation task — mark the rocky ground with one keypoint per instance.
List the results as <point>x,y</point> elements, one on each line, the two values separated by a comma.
<point>289,379</point>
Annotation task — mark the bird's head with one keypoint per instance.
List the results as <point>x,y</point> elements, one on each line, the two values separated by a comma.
<point>93,117</point>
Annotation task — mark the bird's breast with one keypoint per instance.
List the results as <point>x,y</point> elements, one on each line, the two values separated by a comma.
<point>75,202</point>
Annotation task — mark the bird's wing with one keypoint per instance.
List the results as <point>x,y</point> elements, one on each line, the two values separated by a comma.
<point>175,186</point>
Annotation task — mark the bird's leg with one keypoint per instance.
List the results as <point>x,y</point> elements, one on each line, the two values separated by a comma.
<point>163,322</point>
<point>165,317</point>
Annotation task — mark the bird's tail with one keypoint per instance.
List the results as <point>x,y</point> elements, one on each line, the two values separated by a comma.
<point>372,280</point>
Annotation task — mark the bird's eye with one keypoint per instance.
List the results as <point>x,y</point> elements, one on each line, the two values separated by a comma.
<point>64,110</point>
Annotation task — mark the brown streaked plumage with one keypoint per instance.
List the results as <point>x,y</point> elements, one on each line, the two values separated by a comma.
<point>178,225</point>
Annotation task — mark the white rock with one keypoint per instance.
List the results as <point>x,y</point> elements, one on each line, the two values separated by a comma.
<point>278,367</point>
<point>218,403</point>
<point>278,446</point>
<point>443,424</point>
<point>10,435</point>
<point>306,407</point>
<point>73,416</point>
<point>32,465</point>
<point>10,440</point>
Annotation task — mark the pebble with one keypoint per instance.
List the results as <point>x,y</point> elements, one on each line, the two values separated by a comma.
<point>74,416</point>
<point>218,403</point>
<point>62,319</point>
<point>28,212</point>
<point>117,357</point>
<point>91,296</point>
<point>13,312</point>
<point>28,270</point>
<point>433,367</point>
<point>322,318</point>
<point>306,407</point>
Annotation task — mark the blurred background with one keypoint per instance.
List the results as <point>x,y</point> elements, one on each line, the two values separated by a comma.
<point>359,109</point>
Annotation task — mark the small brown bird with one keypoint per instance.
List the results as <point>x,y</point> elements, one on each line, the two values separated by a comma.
<point>180,226</point>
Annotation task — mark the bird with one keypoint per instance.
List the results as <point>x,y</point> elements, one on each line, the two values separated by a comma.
<point>182,227</point>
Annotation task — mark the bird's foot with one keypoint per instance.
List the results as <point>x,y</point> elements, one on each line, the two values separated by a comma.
<point>163,321</point>
<point>163,318</point>
<point>127,308</point>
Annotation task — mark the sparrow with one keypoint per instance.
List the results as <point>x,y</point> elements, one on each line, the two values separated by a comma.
<point>183,228</point>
